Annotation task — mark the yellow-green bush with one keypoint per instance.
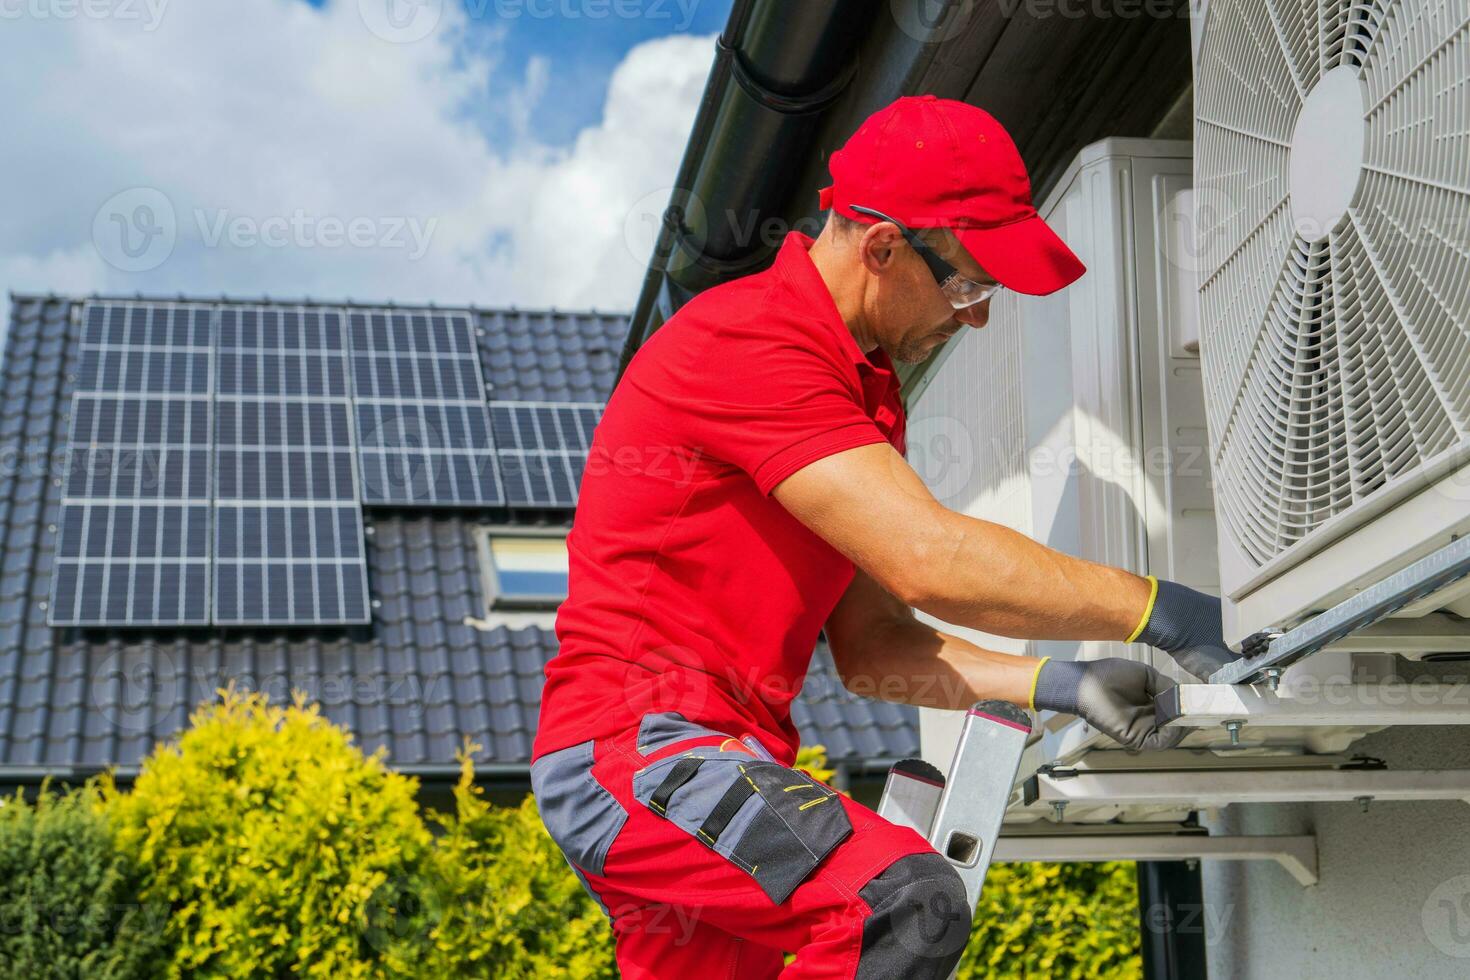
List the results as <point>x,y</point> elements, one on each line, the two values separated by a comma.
<point>283,851</point>
<point>1059,921</point>
<point>506,903</point>
<point>281,848</point>
<point>69,903</point>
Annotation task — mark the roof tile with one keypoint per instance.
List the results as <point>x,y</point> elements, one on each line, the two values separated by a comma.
<point>418,681</point>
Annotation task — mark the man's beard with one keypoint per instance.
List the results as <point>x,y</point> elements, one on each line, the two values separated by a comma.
<point>915,351</point>
<point>910,353</point>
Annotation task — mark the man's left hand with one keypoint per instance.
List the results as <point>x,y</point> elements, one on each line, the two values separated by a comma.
<point>1186,625</point>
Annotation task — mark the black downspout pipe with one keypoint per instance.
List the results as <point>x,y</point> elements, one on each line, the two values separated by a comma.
<point>1171,920</point>
<point>778,66</point>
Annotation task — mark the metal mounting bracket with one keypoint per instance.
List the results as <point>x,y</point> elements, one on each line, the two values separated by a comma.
<point>1377,705</point>
<point>1425,576</point>
<point>1219,787</point>
<point>1296,854</point>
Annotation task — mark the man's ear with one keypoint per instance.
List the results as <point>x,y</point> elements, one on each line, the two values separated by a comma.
<point>878,247</point>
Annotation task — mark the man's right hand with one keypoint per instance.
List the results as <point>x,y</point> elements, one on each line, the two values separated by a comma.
<point>1114,695</point>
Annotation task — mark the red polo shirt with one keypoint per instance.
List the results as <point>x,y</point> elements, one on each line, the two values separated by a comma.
<point>691,588</point>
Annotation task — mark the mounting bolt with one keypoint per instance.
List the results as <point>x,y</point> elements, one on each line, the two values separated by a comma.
<point>1363,802</point>
<point>1233,726</point>
<point>1273,677</point>
<point>1057,810</point>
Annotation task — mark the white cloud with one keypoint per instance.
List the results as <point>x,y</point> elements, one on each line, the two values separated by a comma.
<point>278,133</point>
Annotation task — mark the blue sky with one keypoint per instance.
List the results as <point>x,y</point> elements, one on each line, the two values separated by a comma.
<point>583,42</point>
<point>500,152</point>
<point>582,53</point>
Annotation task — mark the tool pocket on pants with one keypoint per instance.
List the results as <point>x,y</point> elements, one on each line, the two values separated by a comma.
<point>580,815</point>
<point>774,823</point>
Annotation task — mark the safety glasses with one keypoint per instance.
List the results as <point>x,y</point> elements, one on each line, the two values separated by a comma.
<point>960,292</point>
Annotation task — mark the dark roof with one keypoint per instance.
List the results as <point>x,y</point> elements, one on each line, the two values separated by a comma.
<point>417,680</point>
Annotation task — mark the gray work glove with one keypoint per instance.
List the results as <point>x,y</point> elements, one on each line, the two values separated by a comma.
<point>1114,695</point>
<point>1185,624</point>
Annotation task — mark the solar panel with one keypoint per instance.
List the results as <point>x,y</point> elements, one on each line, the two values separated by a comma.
<point>288,544</point>
<point>422,426</point>
<point>542,449</point>
<point>133,547</point>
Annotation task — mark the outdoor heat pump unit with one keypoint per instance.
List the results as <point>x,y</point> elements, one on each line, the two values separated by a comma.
<point>1078,418</point>
<point>1261,389</point>
<point>1332,197</point>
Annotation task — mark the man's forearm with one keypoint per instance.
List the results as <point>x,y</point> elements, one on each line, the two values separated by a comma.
<point>912,663</point>
<point>988,577</point>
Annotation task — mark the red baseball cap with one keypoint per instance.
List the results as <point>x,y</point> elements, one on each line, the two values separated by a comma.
<point>937,163</point>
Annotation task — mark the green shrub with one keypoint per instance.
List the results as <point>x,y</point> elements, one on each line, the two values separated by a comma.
<point>283,851</point>
<point>1073,921</point>
<point>69,904</point>
<point>507,904</point>
<point>281,848</point>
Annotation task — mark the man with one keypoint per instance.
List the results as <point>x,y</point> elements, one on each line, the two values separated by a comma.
<point>745,490</point>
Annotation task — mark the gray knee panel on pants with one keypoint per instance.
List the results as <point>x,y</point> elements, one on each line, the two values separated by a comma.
<point>920,920</point>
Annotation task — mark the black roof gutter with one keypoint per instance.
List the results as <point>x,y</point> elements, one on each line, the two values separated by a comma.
<point>778,66</point>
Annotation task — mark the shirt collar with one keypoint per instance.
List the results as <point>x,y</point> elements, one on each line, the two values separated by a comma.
<point>796,269</point>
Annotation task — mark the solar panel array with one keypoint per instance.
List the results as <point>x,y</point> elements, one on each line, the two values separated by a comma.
<point>220,456</point>
<point>133,547</point>
<point>423,427</point>
<point>543,449</point>
<point>288,544</point>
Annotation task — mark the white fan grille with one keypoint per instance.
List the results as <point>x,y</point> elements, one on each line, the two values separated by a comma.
<point>1333,363</point>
